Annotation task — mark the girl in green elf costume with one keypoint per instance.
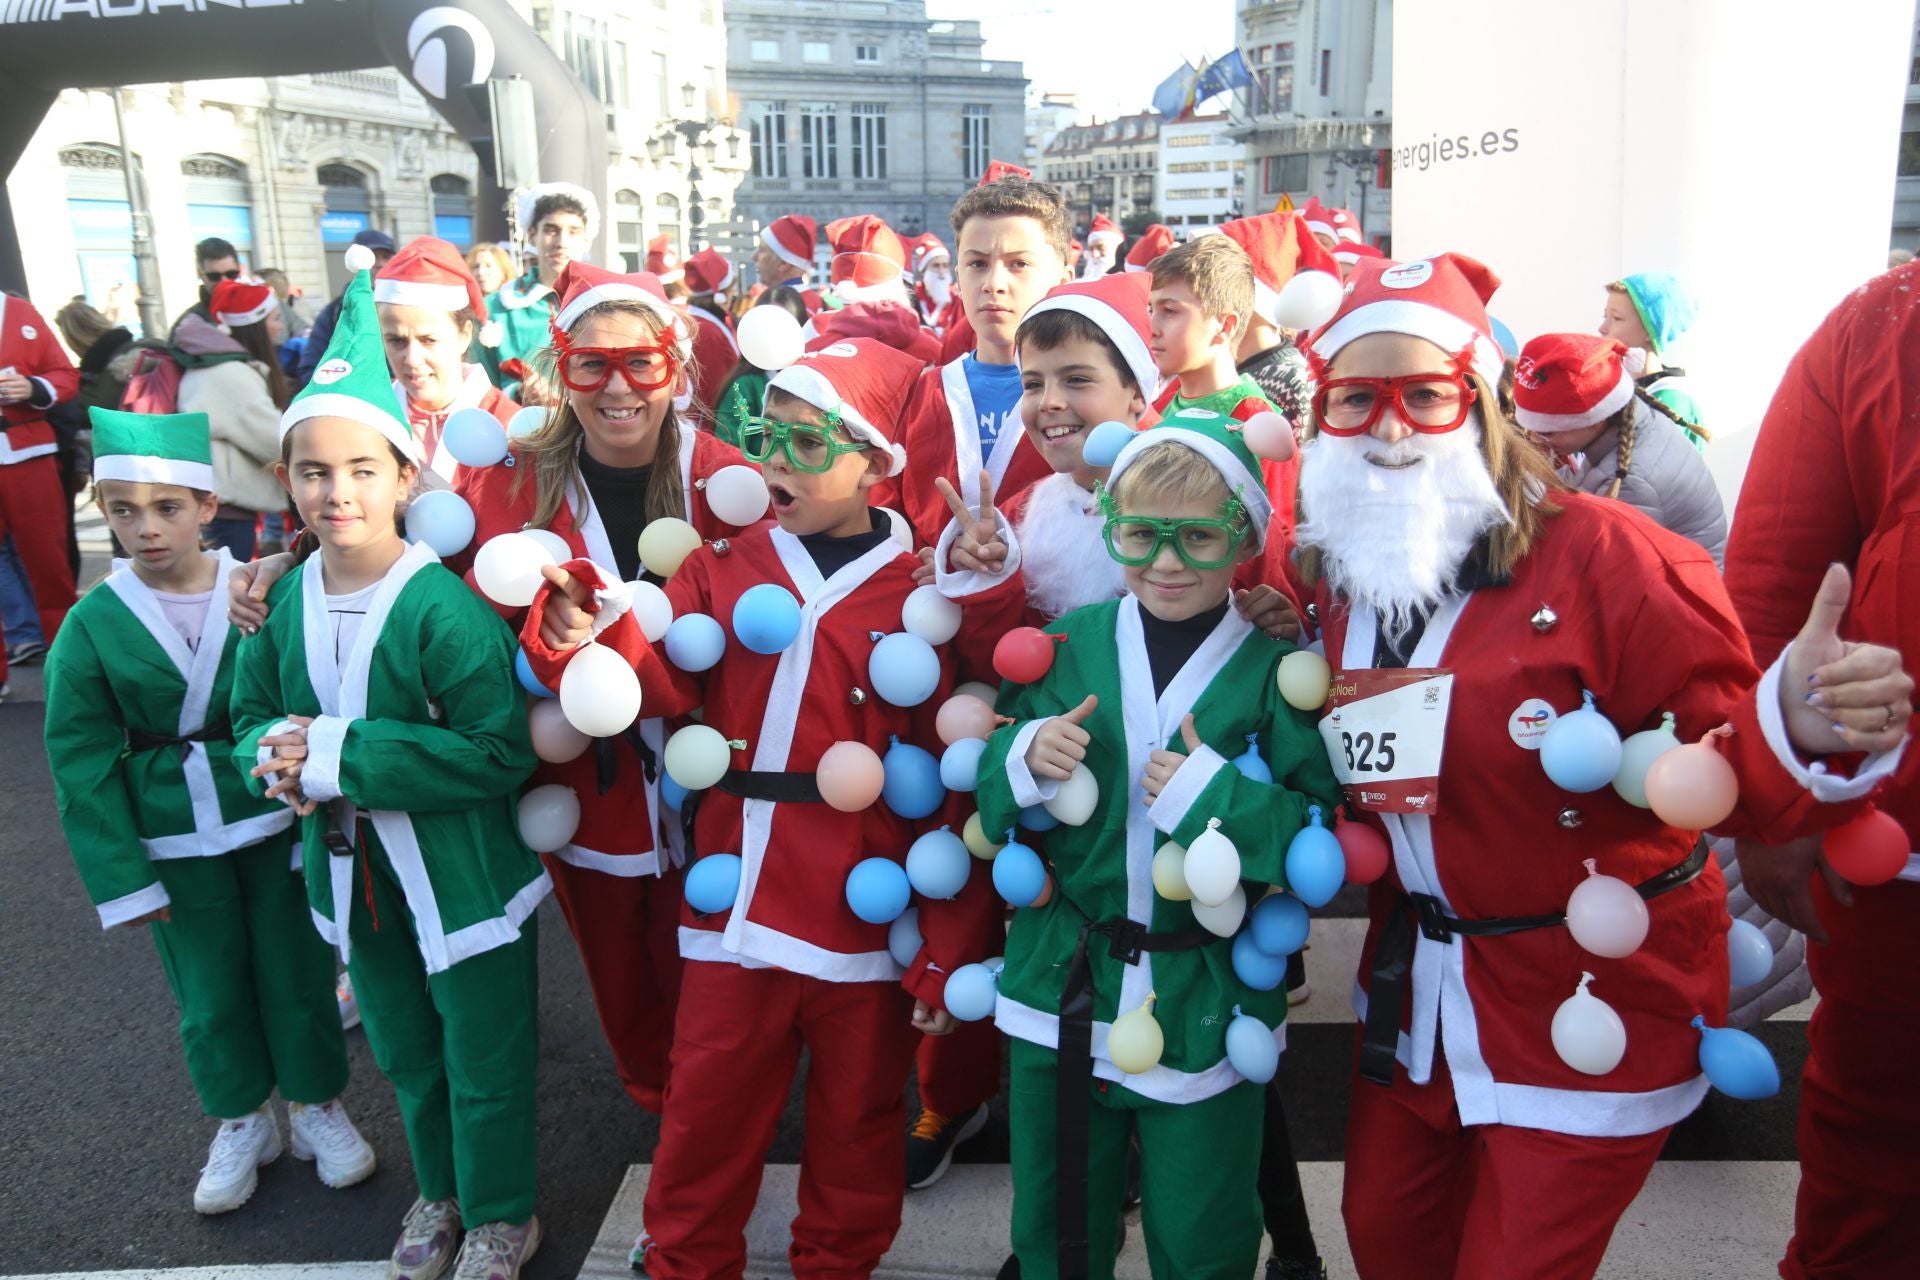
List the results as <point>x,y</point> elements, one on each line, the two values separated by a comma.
<point>1151,693</point>
<point>379,701</point>
<point>137,688</point>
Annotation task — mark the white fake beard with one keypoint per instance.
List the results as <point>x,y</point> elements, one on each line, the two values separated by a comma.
<point>939,288</point>
<point>1395,539</point>
<point>1062,556</point>
<point>1094,266</point>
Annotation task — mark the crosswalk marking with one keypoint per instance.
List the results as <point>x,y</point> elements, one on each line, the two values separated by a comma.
<point>264,1271</point>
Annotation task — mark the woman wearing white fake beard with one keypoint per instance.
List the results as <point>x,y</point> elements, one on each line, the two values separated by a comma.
<point>1449,557</point>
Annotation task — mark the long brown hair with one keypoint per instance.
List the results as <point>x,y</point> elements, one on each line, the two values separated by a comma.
<point>550,453</point>
<point>258,344</point>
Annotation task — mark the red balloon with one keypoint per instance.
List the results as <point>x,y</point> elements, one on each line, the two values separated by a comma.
<point>1871,849</point>
<point>1023,655</point>
<point>1366,850</point>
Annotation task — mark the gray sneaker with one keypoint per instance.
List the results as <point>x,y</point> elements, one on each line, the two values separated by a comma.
<point>497,1250</point>
<point>429,1238</point>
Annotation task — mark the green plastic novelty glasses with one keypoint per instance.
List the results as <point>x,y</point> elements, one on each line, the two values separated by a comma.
<point>1201,542</point>
<point>808,448</point>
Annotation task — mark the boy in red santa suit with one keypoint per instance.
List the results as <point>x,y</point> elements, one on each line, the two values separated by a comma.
<point>788,965</point>
<point>34,373</point>
<point>1444,547</point>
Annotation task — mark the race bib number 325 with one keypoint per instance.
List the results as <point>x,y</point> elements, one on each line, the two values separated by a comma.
<point>1384,732</point>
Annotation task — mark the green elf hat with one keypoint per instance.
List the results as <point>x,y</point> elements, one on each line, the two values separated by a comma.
<point>351,380</point>
<point>1218,439</point>
<point>153,448</point>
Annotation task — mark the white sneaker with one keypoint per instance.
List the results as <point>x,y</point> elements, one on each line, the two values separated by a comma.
<point>325,1135</point>
<point>429,1240</point>
<point>349,1007</point>
<point>233,1161</point>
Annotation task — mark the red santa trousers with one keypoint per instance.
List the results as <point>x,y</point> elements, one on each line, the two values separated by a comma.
<point>736,1045</point>
<point>960,1071</point>
<point>1858,1212</point>
<point>628,931</point>
<point>1426,1199</point>
<point>33,514</point>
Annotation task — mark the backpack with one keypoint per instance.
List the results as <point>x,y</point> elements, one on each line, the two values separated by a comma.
<point>154,384</point>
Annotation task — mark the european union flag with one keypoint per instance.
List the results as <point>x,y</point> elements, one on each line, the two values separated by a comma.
<point>1228,73</point>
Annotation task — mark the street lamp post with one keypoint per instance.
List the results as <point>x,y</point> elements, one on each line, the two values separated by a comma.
<point>701,137</point>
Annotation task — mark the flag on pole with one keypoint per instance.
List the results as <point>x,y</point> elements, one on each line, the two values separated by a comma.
<point>1174,98</point>
<point>1226,73</point>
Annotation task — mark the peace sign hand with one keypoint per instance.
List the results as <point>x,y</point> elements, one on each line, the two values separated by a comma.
<point>979,548</point>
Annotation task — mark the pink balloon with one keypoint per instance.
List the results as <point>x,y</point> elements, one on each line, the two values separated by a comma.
<point>1692,787</point>
<point>1606,916</point>
<point>1367,851</point>
<point>963,716</point>
<point>1269,436</point>
<point>850,776</point>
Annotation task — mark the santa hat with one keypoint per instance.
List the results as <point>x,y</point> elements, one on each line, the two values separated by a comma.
<point>1282,248</point>
<point>1217,438</point>
<point>1103,229</point>
<point>863,380</point>
<point>998,169</point>
<point>583,286</point>
<point>1118,304</point>
<point>663,260</point>
<point>1074,250</point>
<point>708,272</point>
<point>351,380</point>
<point>868,259</point>
<point>1565,381</point>
<point>1153,242</point>
<point>1349,252</point>
<point>926,247</point>
<point>433,274</point>
<point>241,302</point>
<point>894,323</point>
<point>1442,299</point>
<point>791,238</point>
<point>525,199</point>
<point>1325,220</point>
<point>153,448</point>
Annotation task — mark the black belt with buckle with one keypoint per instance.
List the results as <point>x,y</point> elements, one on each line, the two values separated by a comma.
<point>147,740</point>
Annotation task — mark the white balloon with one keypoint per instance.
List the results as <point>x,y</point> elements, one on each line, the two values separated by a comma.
<point>931,616</point>
<point>1212,867</point>
<point>1308,300</point>
<point>697,757</point>
<point>549,816</point>
<point>652,610</point>
<point>599,692</point>
<point>1607,916</point>
<point>978,688</point>
<point>555,544</point>
<point>508,567</point>
<point>1225,918</point>
<point>738,494</point>
<point>555,740</point>
<point>902,531</point>
<point>1587,1034</point>
<point>1076,798</point>
<point>769,337</point>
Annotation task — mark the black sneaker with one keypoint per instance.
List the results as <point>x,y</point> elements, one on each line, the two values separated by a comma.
<point>931,1142</point>
<point>26,653</point>
<point>1296,1269</point>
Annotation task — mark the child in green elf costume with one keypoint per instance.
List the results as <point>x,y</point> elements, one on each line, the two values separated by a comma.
<point>1151,693</point>
<point>137,687</point>
<point>379,700</point>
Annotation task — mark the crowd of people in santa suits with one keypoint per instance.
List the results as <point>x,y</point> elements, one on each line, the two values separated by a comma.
<point>1065,524</point>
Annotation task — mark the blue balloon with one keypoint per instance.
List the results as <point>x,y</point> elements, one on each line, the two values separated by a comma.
<point>1250,763</point>
<point>1251,1048</point>
<point>1581,750</point>
<point>524,669</point>
<point>1509,345</point>
<point>1736,1063</point>
<point>971,992</point>
<point>766,618</point>
<point>1036,817</point>
<point>1279,924</point>
<point>904,669</point>
<point>903,937</point>
<point>442,519</point>
<point>877,890</point>
<point>526,422</point>
<point>695,642</point>
<point>1254,967</point>
<point>712,883</point>
<point>672,794</point>
<point>911,786</point>
<point>1316,865</point>
<point>960,764</point>
<point>1749,955</point>
<point>1104,443</point>
<point>474,437</point>
<point>937,864</point>
<point>1018,874</point>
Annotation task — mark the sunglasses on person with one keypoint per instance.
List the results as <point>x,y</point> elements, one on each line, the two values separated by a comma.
<point>645,368</point>
<point>1429,403</point>
<point>808,448</point>
<point>215,277</point>
<point>1201,542</point>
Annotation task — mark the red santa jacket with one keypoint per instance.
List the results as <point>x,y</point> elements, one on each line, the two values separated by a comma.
<point>1835,477</point>
<point>29,348</point>
<point>715,352</point>
<point>789,708</point>
<point>942,438</point>
<point>1641,621</point>
<point>476,392</point>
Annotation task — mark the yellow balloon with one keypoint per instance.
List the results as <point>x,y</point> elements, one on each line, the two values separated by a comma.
<point>1170,873</point>
<point>665,542</point>
<point>978,843</point>
<point>1304,679</point>
<point>1135,1042</point>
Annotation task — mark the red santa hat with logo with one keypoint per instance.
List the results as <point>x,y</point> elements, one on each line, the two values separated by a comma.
<point>894,323</point>
<point>583,286</point>
<point>1153,242</point>
<point>863,381</point>
<point>1283,250</point>
<point>1565,381</point>
<point>998,169</point>
<point>791,238</point>
<point>242,302</point>
<point>1442,299</point>
<point>869,262</point>
<point>1326,220</point>
<point>708,271</point>
<point>432,274</point>
<point>1118,303</point>
<point>663,260</point>
<point>1103,230</point>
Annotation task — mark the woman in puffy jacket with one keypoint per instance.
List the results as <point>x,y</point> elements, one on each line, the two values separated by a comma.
<point>229,372</point>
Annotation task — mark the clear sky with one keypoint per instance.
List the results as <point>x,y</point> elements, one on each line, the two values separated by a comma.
<point>1111,54</point>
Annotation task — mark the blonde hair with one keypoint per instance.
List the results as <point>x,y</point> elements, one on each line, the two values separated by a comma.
<point>551,453</point>
<point>1217,270</point>
<point>1171,472</point>
<point>498,256</point>
<point>81,325</point>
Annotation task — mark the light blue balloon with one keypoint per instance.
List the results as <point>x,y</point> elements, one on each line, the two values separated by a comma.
<point>672,794</point>
<point>1104,443</point>
<point>971,992</point>
<point>1254,967</point>
<point>904,669</point>
<point>877,890</point>
<point>766,618</point>
<point>1736,1063</point>
<point>1749,955</point>
<point>960,764</point>
<point>1509,345</point>
<point>695,642</point>
<point>474,437</point>
<point>1581,750</point>
<point>442,519</point>
<point>524,669</point>
<point>1279,924</point>
<point>903,937</point>
<point>1316,865</point>
<point>1251,1048</point>
<point>938,864</point>
<point>526,422</point>
<point>713,883</point>
<point>1037,817</point>
<point>911,785</point>
<point>1018,874</point>
<point>1250,762</point>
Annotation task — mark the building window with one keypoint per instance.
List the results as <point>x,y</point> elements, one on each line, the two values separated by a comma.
<point>816,51</point>
<point>629,234</point>
<point>869,140</point>
<point>819,142</point>
<point>1189,166</point>
<point>1187,193</point>
<point>1910,154</point>
<point>769,128</point>
<point>620,75</point>
<point>766,51</point>
<point>452,209</point>
<point>662,103</point>
<point>976,139</point>
<point>866,54</point>
<point>1188,140</point>
<point>1326,71</point>
<point>585,46</point>
<point>667,209</point>
<point>1283,173</point>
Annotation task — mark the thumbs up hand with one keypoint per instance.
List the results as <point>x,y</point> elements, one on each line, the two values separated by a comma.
<point>1061,743</point>
<point>1163,764</point>
<point>1836,695</point>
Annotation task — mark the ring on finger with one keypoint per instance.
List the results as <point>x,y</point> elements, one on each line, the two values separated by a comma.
<point>1891,717</point>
